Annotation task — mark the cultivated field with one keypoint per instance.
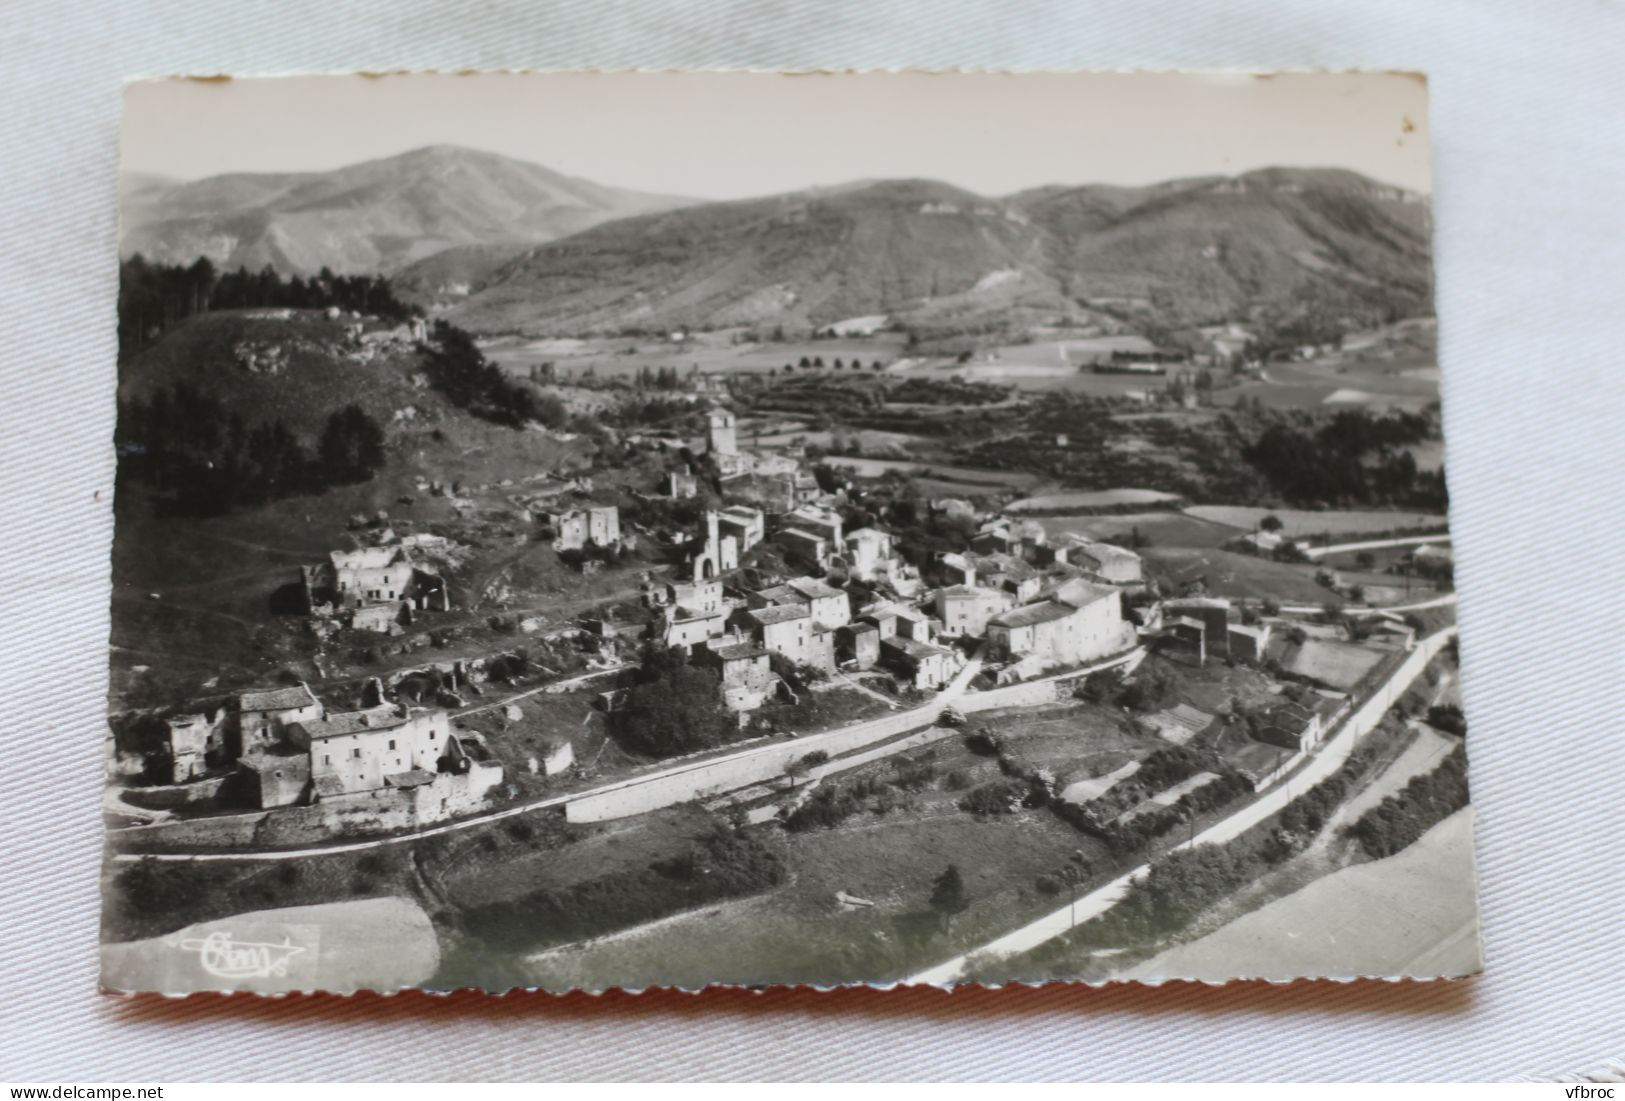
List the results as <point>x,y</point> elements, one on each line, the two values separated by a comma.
<point>1099,498</point>
<point>971,476</point>
<point>612,357</point>
<point>1168,529</point>
<point>1304,524</point>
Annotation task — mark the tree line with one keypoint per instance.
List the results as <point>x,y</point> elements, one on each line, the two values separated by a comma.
<point>204,459</point>
<point>1353,458</point>
<point>1421,804</point>
<point>459,370</point>
<point>153,297</point>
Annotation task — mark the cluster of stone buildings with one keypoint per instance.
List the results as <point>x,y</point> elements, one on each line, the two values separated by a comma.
<point>288,749</point>
<point>375,588</point>
<point>847,600</point>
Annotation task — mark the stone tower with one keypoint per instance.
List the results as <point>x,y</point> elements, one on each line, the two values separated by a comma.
<point>722,440</point>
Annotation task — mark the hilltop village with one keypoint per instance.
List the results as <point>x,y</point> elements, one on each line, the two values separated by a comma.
<point>610,650</point>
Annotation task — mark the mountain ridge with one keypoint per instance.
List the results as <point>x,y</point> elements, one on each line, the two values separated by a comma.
<point>933,255</point>
<point>368,217</point>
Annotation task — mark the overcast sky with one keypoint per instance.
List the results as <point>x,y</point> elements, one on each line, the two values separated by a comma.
<point>731,135</point>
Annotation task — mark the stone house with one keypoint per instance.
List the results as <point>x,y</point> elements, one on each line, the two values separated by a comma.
<point>964,610</point>
<point>868,553</point>
<point>791,631</point>
<point>830,606</point>
<point>747,672</point>
<point>189,741</point>
<point>371,576</point>
<point>1289,725</point>
<point>262,717</point>
<point>576,528</point>
<point>279,777</point>
<point>747,526</point>
<point>822,522</point>
<point>1106,561</point>
<point>896,620</point>
<point>1084,627</point>
<point>693,612</point>
<point>924,665</point>
<point>356,751</point>
<point>804,547</point>
<point>858,644</point>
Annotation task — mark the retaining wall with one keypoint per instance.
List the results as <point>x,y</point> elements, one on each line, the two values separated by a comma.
<point>705,779</point>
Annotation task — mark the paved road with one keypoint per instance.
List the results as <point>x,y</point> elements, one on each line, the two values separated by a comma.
<point>1331,754</point>
<point>1373,544</point>
<point>897,722</point>
<point>924,715</point>
<point>1416,606</point>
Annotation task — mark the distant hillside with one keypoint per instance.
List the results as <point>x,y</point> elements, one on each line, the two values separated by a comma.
<point>1211,249</point>
<point>800,259</point>
<point>370,217</point>
<point>1181,253</point>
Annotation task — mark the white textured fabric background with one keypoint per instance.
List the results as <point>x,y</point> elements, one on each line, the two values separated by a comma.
<point>1528,119</point>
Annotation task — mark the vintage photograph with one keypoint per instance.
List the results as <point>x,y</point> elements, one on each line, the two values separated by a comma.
<point>595,530</point>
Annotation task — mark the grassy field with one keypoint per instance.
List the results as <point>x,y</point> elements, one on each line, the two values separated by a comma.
<point>1098,498</point>
<point>1311,525</point>
<point>802,933</point>
<point>969,476</point>
<point>1160,529</point>
<point>1238,576</point>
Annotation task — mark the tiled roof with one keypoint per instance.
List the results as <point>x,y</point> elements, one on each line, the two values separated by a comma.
<point>812,588</point>
<point>276,699</point>
<point>779,613</point>
<point>354,722</point>
<point>1047,611</point>
<point>738,651</point>
<point>914,648</point>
